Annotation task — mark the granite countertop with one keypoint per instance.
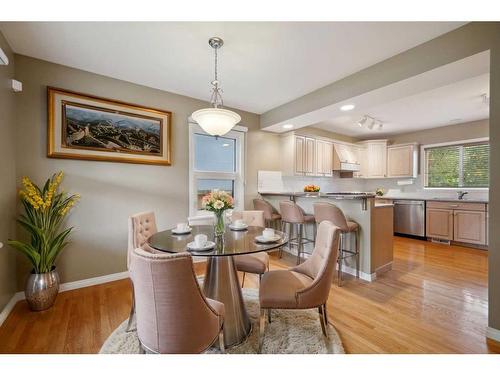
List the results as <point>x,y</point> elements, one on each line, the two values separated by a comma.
<point>302,194</point>
<point>417,198</point>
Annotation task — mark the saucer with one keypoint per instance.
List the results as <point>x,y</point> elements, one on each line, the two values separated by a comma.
<point>263,239</point>
<point>208,246</point>
<point>234,227</point>
<point>185,231</point>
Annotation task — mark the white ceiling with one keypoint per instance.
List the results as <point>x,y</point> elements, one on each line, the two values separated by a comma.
<point>262,64</point>
<point>447,105</point>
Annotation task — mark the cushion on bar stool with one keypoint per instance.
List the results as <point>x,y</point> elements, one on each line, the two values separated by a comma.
<point>352,226</point>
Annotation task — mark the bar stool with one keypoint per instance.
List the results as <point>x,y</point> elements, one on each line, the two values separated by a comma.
<point>327,211</point>
<point>270,216</point>
<point>293,215</point>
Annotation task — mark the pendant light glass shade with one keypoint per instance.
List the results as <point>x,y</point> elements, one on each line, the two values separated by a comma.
<point>216,121</point>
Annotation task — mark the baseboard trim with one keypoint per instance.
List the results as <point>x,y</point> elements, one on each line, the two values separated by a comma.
<point>493,334</point>
<point>19,296</point>
<point>362,275</point>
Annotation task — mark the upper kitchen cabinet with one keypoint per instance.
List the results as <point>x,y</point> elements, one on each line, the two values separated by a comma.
<point>402,160</point>
<point>374,163</point>
<point>299,155</point>
<point>324,158</point>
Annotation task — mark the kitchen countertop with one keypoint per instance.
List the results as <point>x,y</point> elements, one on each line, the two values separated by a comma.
<point>416,198</point>
<point>319,195</point>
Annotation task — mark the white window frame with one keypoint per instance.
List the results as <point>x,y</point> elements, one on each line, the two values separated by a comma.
<point>424,164</point>
<point>239,134</point>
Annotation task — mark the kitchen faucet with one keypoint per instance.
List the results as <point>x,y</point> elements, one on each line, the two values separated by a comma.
<point>461,194</point>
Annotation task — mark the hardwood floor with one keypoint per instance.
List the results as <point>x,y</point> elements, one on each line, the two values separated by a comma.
<point>433,301</point>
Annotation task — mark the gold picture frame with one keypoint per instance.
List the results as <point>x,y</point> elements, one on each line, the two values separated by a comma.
<point>87,127</point>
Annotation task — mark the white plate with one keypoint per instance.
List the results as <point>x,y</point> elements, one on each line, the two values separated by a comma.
<point>233,227</point>
<point>208,246</point>
<point>263,239</point>
<point>186,231</point>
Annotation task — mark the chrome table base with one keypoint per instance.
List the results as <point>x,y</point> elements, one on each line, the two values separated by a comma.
<point>222,284</point>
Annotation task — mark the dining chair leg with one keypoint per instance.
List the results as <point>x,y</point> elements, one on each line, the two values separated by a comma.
<point>283,227</point>
<point>269,315</point>
<point>262,327</point>
<point>322,319</point>
<point>243,281</point>
<point>300,245</point>
<point>340,256</point>
<point>222,346</point>
<point>141,349</point>
<point>132,313</point>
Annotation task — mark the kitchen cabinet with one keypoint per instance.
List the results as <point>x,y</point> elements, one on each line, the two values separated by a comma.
<point>402,160</point>
<point>298,155</point>
<point>469,227</point>
<point>375,159</point>
<point>324,158</point>
<point>439,223</point>
<point>457,221</point>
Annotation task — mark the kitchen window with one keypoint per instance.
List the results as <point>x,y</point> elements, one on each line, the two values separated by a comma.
<point>457,165</point>
<point>215,163</point>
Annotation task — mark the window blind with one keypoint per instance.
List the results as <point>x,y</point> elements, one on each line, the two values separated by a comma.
<point>457,166</point>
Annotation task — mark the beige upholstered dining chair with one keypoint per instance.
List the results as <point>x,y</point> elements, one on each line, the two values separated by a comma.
<point>305,286</point>
<point>173,315</point>
<point>257,263</point>
<point>141,226</point>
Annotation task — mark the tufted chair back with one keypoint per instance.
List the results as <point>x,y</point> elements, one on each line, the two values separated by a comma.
<point>262,205</point>
<point>328,211</point>
<point>320,266</point>
<point>173,315</point>
<point>291,212</point>
<point>252,218</point>
<point>141,226</point>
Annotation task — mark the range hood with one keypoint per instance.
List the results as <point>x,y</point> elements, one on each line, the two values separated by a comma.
<point>345,159</point>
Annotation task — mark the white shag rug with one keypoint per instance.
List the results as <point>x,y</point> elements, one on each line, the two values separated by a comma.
<point>290,332</point>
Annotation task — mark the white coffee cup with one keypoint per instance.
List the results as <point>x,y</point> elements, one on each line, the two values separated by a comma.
<point>200,240</point>
<point>239,223</point>
<point>268,233</point>
<point>182,227</point>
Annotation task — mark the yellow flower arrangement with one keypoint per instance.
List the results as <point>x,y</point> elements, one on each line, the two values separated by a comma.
<point>44,209</point>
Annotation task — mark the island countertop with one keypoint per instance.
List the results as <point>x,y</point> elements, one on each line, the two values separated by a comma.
<point>332,195</point>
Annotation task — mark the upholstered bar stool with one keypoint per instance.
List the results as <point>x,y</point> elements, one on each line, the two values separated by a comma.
<point>328,211</point>
<point>257,263</point>
<point>293,215</point>
<point>271,217</point>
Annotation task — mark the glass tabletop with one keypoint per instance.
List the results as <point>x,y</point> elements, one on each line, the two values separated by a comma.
<point>233,243</point>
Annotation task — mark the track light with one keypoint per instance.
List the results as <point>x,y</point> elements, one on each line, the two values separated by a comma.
<point>370,123</point>
<point>362,122</point>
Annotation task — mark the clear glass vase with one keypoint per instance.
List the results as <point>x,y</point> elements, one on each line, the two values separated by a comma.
<point>219,223</point>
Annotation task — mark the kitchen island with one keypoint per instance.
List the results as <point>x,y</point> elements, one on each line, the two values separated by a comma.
<point>375,221</point>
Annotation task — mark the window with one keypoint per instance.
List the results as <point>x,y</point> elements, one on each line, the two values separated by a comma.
<point>215,163</point>
<point>457,165</point>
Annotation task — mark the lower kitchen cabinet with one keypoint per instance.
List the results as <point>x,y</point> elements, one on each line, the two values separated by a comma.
<point>439,223</point>
<point>469,227</point>
<point>460,222</point>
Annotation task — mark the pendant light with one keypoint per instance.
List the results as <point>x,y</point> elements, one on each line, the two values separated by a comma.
<point>216,120</point>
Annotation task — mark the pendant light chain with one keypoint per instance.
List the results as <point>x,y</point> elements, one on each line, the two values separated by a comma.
<point>216,98</point>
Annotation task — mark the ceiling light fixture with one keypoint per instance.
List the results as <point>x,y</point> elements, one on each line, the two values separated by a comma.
<point>216,120</point>
<point>287,126</point>
<point>362,122</point>
<point>370,123</point>
<point>347,107</point>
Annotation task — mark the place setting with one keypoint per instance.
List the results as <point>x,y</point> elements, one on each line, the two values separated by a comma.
<point>238,225</point>
<point>200,243</point>
<point>268,236</point>
<point>181,228</point>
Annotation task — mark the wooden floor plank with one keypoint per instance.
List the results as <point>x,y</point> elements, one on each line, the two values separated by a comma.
<point>434,300</point>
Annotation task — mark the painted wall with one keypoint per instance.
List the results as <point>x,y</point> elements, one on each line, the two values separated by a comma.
<point>112,191</point>
<point>7,178</point>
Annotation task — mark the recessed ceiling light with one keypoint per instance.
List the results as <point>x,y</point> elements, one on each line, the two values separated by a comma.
<point>347,107</point>
<point>287,126</point>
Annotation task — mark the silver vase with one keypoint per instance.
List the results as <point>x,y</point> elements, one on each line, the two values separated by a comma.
<point>41,290</point>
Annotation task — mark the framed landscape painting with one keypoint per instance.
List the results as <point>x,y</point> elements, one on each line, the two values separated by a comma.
<point>87,127</point>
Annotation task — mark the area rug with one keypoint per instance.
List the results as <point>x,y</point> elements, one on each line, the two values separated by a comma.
<point>291,332</point>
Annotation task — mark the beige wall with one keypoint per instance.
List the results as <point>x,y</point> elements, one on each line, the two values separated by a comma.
<point>309,130</point>
<point>451,133</point>
<point>7,178</point>
<point>112,191</point>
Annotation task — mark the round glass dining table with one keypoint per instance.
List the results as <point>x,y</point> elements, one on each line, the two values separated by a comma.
<point>221,279</point>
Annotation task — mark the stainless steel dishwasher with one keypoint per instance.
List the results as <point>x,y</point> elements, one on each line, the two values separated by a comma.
<point>409,217</point>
